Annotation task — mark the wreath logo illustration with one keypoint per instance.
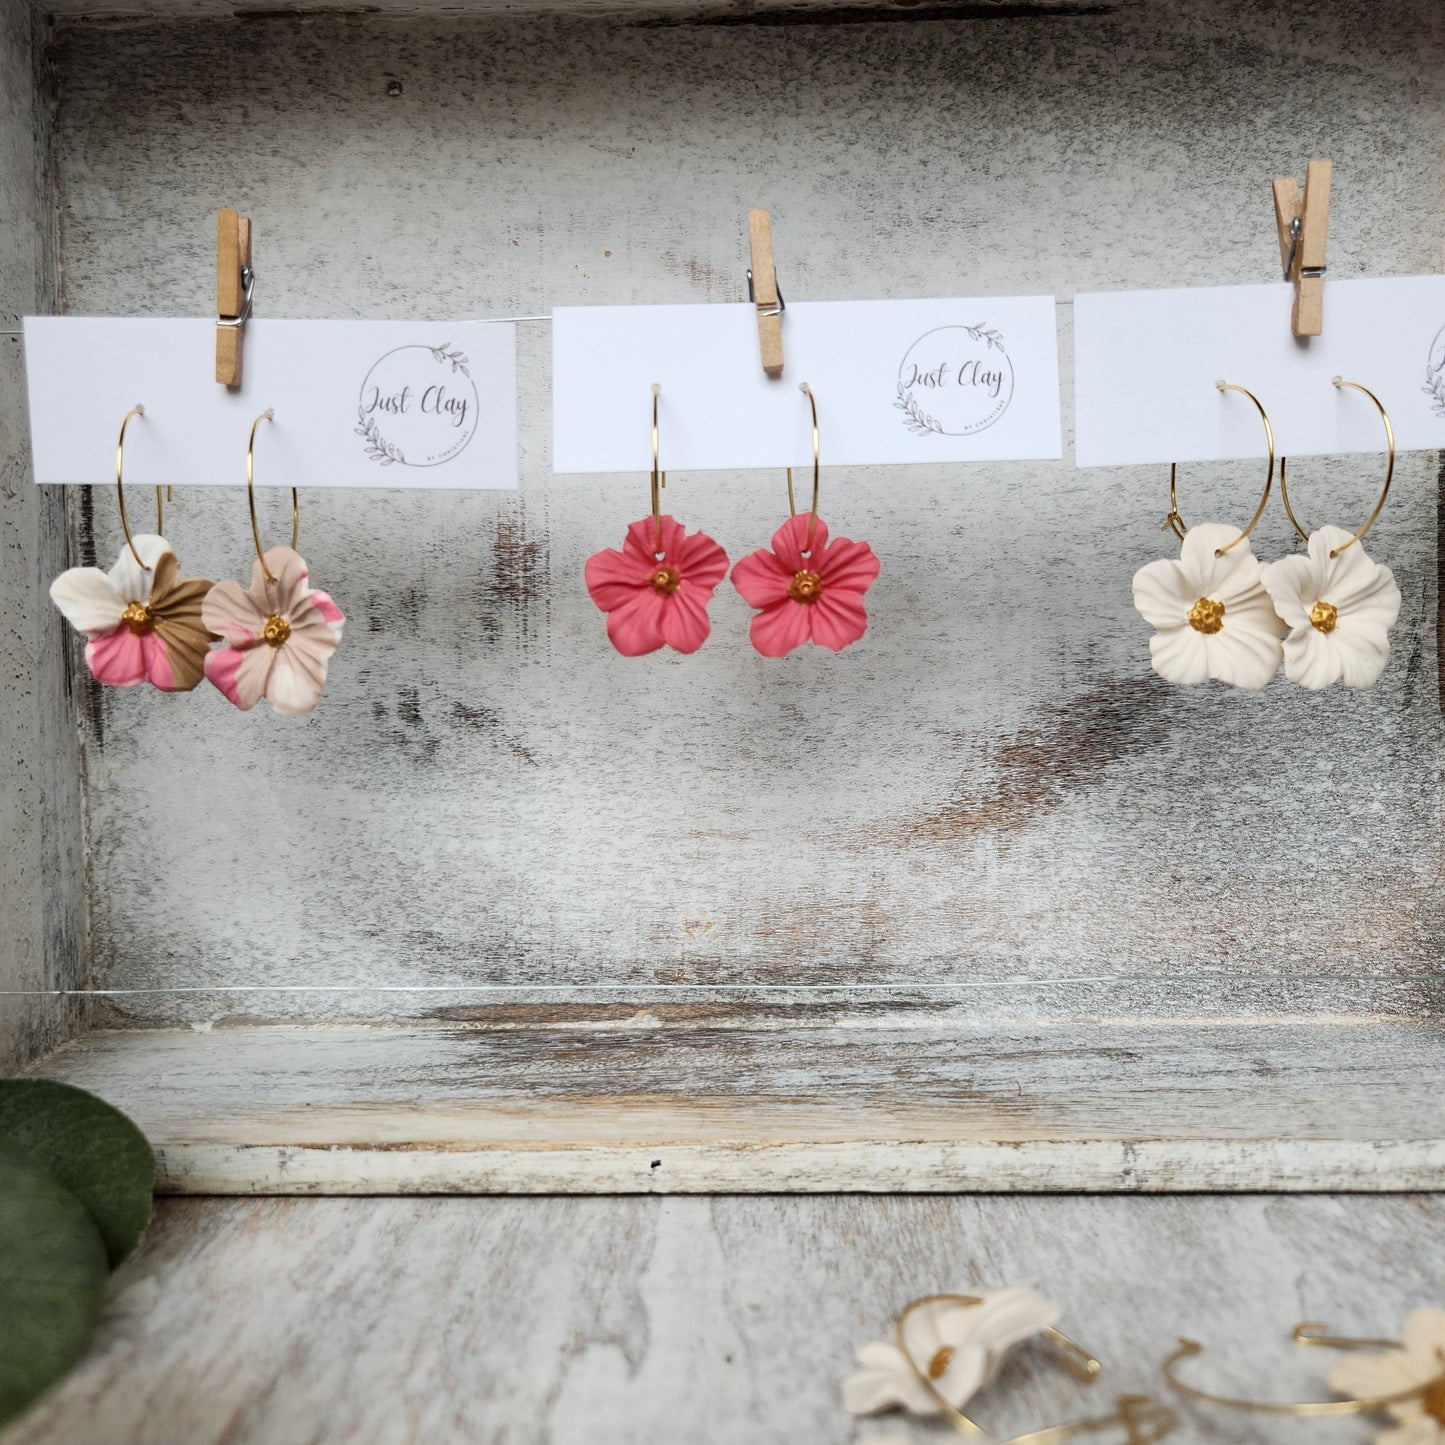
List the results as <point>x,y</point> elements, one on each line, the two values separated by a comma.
<point>922,423</point>
<point>381,449</point>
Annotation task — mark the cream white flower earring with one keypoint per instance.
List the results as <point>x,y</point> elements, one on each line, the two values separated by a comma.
<point>1338,604</point>
<point>1406,1382</point>
<point>1210,611</point>
<point>946,1347</point>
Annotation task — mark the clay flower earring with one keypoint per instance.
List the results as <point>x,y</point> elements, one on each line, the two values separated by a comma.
<point>144,623</point>
<point>1338,604</point>
<point>279,633</point>
<point>947,1347</point>
<point>1212,615</point>
<point>656,590</point>
<point>807,588</point>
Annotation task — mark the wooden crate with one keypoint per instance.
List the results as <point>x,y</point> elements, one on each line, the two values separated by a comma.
<point>980,903</point>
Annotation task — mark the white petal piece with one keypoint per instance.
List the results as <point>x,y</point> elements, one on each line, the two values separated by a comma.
<point>1339,611</point>
<point>130,580</point>
<point>1212,615</point>
<point>88,600</point>
<point>958,1347</point>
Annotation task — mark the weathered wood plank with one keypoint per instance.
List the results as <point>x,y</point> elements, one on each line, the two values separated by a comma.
<point>42,874</point>
<point>729,1320</point>
<point>649,1109</point>
<point>991,786</point>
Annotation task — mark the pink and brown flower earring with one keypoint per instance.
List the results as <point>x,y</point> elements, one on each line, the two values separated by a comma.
<point>278,635</point>
<point>656,589</point>
<point>807,588</point>
<point>142,620</point>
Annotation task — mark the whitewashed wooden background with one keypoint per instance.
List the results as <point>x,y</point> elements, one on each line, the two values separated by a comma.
<point>991,786</point>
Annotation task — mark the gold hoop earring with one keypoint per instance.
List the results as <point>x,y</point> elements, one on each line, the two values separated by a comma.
<point>966,1337</point>
<point>1176,524</point>
<point>1308,1333</point>
<point>267,415</point>
<point>1210,611</point>
<point>1384,491</point>
<point>137,410</point>
<point>817,452</point>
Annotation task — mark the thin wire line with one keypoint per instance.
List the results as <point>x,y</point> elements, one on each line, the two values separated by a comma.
<point>464,321</point>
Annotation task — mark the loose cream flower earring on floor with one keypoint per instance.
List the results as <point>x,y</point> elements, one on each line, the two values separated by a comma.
<point>808,588</point>
<point>656,589</point>
<point>142,620</point>
<point>1338,604</point>
<point>1406,1380</point>
<point>279,634</point>
<point>1212,614</point>
<point>946,1348</point>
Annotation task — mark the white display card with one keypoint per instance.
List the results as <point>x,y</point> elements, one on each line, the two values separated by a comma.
<point>357,403</point>
<point>1146,364</point>
<point>953,380</point>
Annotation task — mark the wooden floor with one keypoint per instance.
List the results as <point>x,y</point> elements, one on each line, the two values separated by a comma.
<point>658,1321</point>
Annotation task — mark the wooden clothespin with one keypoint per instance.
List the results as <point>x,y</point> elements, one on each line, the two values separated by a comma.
<point>235,282</point>
<point>1302,221</point>
<point>765,293</point>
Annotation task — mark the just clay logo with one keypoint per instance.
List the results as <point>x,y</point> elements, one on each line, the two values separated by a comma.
<point>418,406</point>
<point>955,381</point>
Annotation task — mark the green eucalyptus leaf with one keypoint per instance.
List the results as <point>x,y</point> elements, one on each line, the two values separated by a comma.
<point>53,1273</point>
<point>90,1147</point>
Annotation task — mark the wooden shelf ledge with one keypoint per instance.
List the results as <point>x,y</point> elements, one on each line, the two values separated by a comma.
<point>1165,1107</point>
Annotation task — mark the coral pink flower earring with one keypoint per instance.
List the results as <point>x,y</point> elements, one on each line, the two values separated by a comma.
<point>807,588</point>
<point>656,590</point>
<point>279,633</point>
<point>142,621</point>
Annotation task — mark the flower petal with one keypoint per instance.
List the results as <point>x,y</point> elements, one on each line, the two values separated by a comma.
<point>1292,587</point>
<point>1311,658</point>
<point>846,565</point>
<point>231,613</point>
<point>289,570</point>
<point>885,1381</point>
<point>1424,1334</point>
<point>778,629</point>
<point>1363,651</point>
<point>635,627</point>
<point>335,618</point>
<point>159,672</point>
<point>1244,656</point>
<point>88,599</point>
<point>1179,655</point>
<point>701,560</point>
<point>116,658</point>
<point>642,546</point>
<point>1162,594</point>
<point>683,620</point>
<point>790,539</point>
<point>838,618</point>
<point>761,578</point>
<point>296,679</point>
<point>132,581</point>
<point>612,578</point>
<point>240,673</point>
<point>1211,572</point>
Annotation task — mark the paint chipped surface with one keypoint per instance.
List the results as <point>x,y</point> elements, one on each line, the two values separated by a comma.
<point>993,791</point>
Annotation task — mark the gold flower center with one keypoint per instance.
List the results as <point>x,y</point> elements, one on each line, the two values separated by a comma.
<point>277,630</point>
<point>1324,615</point>
<point>139,618</point>
<point>1207,616</point>
<point>807,588</point>
<point>665,580</point>
<point>939,1363</point>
